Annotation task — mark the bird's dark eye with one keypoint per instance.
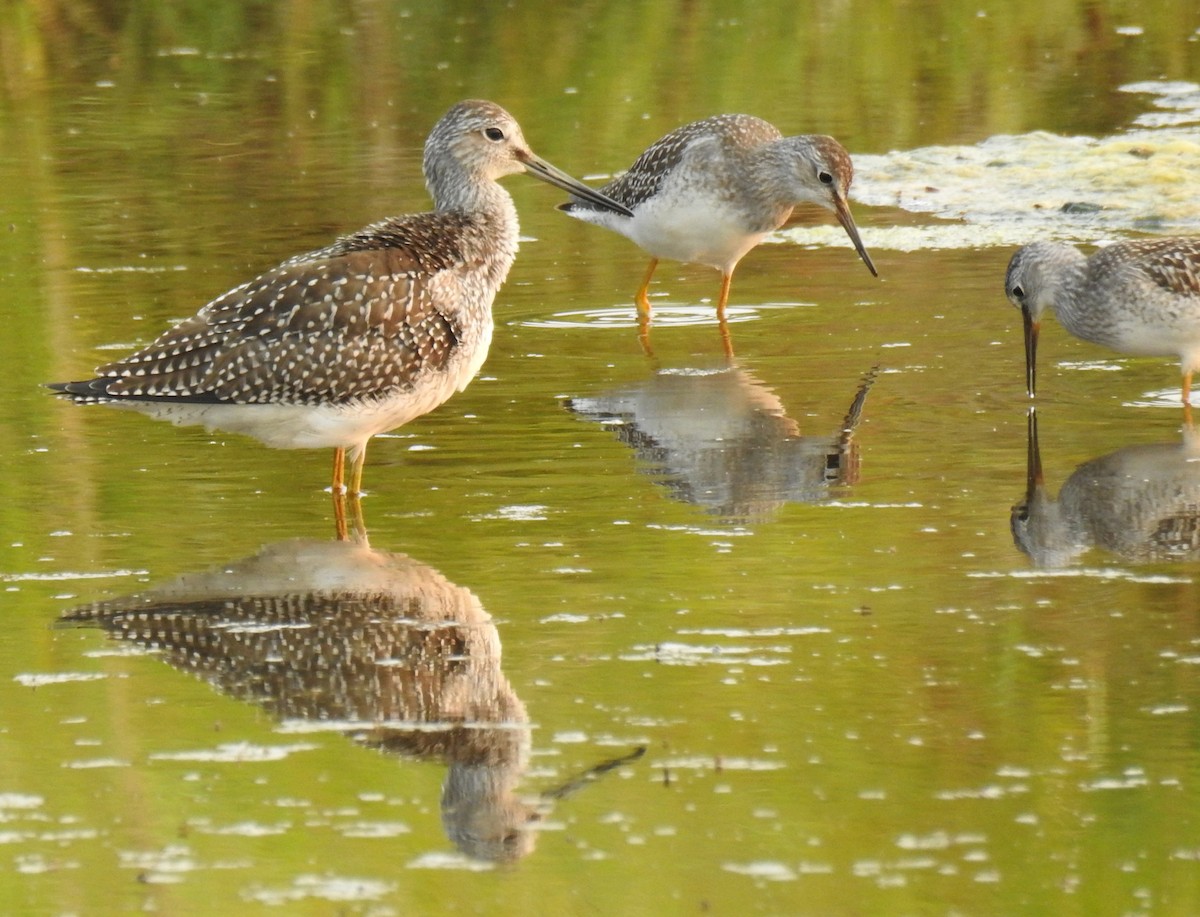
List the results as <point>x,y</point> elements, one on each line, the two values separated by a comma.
<point>1018,292</point>
<point>494,134</point>
<point>825,178</point>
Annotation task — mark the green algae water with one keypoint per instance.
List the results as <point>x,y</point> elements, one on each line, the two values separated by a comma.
<point>632,634</point>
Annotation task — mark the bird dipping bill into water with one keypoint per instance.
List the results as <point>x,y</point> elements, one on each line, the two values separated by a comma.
<point>339,344</point>
<point>1140,297</point>
<point>710,191</point>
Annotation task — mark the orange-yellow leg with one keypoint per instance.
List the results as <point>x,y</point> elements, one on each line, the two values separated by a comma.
<point>643,309</point>
<point>353,492</point>
<point>339,494</point>
<point>642,298</point>
<point>356,471</point>
<point>339,470</point>
<point>726,341</point>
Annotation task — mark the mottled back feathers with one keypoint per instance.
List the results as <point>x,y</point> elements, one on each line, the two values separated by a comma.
<point>1173,264</point>
<point>729,133</point>
<point>356,319</point>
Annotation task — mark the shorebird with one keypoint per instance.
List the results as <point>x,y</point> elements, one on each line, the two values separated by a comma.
<point>336,345</point>
<point>1140,298</point>
<point>710,191</point>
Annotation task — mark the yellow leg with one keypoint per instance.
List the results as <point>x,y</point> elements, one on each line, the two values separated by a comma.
<point>643,309</point>
<point>339,469</point>
<point>339,494</point>
<point>1187,389</point>
<point>356,472</point>
<point>642,299</point>
<point>726,341</point>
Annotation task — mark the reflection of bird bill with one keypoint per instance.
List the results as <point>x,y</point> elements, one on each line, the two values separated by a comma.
<point>592,774</point>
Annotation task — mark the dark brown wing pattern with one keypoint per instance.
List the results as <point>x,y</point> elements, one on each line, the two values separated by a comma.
<point>1173,264</point>
<point>358,318</point>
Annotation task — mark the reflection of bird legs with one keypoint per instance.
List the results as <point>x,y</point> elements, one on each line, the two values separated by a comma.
<point>340,494</point>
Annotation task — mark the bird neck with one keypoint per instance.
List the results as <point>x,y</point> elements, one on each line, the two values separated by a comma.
<point>455,189</point>
<point>492,232</point>
<point>772,169</point>
<point>1067,294</point>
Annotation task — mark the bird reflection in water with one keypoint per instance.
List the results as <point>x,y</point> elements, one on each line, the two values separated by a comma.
<point>1141,503</point>
<point>375,645</point>
<point>720,439</point>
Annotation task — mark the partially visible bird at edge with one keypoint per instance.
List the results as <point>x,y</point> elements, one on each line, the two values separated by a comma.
<point>1139,297</point>
<point>333,346</point>
<point>709,191</point>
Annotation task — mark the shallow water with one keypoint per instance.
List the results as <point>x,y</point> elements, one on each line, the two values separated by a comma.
<point>855,691</point>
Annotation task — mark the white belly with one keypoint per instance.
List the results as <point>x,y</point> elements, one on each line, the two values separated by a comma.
<point>349,425</point>
<point>682,223</point>
<point>697,230</point>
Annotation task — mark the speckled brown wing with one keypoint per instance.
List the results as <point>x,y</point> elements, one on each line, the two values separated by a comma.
<point>649,170</point>
<point>356,319</point>
<point>1173,264</point>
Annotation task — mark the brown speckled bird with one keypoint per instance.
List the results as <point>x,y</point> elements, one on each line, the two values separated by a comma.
<point>1140,297</point>
<point>339,344</point>
<point>709,191</point>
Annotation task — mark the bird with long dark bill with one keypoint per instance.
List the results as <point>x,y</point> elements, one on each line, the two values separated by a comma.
<point>1139,297</point>
<point>336,345</point>
<point>709,191</point>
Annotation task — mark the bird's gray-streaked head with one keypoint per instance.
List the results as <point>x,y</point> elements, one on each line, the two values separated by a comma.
<point>478,141</point>
<point>1032,283</point>
<point>821,173</point>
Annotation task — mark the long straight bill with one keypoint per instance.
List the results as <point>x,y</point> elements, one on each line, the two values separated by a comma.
<point>539,168</point>
<point>842,210</point>
<point>1031,337</point>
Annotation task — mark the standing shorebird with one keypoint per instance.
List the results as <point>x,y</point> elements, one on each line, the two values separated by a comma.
<point>710,191</point>
<point>339,344</point>
<point>1140,298</point>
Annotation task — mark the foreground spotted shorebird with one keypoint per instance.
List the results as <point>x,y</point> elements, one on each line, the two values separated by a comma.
<point>339,344</point>
<point>1140,298</point>
<point>710,191</point>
